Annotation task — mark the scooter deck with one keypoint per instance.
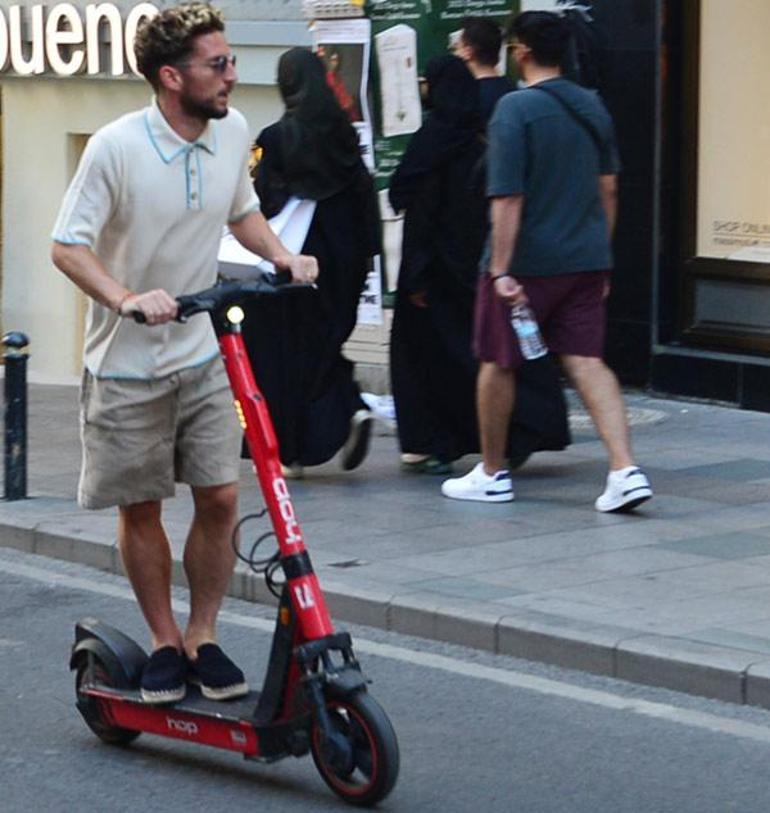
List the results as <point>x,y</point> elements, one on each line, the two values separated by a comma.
<point>230,724</point>
<point>240,708</point>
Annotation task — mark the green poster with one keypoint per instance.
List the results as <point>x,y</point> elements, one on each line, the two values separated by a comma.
<point>432,21</point>
<point>405,35</point>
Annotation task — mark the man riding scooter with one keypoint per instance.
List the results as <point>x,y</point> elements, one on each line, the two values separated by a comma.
<point>140,224</point>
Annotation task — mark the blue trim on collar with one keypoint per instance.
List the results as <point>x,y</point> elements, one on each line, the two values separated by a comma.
<point>207,141</point>
<point>167,159</point>
<point>199,177</point>
<point>204,145</point>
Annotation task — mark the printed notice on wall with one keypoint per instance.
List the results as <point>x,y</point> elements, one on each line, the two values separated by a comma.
<point>344,47</point>
<point>400,96</point>
<point>370,302</point>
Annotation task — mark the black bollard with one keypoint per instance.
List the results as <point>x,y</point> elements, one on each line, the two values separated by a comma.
<point>15,359</point>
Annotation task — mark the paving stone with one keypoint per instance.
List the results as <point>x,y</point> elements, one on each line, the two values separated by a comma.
<point>728,545</point>
<point>732,639</point>
<point>560,640</point>
<point>741,470</point>
<point>464,588</point>
<point>361,604</point>
<point>684,666</point>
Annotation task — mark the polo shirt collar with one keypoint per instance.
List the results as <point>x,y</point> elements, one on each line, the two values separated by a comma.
<point>168,143</point>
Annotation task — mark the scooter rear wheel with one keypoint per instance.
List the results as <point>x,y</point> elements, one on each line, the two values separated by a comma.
<point>375,750</point>
<point>89,706</point>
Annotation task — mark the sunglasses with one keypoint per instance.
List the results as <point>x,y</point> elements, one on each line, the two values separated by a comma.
<point>219,64</point>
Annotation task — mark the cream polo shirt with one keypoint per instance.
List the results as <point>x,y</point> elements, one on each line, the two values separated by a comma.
<point>151,206</point>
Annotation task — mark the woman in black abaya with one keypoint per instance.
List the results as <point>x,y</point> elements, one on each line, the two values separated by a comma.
<point>439,186</point>
<point>295,341</point>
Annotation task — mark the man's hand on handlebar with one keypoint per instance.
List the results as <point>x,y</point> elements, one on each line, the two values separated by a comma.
<point>158,306</point>
<point>303,269</point>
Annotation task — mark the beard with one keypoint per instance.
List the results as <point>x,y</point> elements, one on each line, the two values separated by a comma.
<point>202,109</point>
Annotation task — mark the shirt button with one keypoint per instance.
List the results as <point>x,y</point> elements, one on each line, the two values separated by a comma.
<point>194,196</point>
<point>192,172</point>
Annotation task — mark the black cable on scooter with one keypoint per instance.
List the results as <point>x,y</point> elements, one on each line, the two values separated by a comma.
<point>261,567</point>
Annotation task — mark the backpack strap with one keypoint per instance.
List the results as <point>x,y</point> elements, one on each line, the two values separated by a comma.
<point>578,117</point>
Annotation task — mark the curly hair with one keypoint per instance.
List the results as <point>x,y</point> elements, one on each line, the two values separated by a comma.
<point>168,38</point>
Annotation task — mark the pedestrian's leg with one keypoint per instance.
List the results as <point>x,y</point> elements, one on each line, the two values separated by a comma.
<point>489,481</point>
<point>495,394</point>
<point>599,389</point>
<point>146,555</point>
<point>627,486</point>
<point>209,560</point>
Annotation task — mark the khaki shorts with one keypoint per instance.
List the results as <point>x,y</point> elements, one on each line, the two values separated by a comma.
<point>140,437</point>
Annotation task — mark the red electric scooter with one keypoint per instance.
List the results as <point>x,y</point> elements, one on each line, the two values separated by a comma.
<point>314,696</point>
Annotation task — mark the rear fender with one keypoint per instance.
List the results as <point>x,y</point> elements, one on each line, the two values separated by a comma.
<point>123,658</point>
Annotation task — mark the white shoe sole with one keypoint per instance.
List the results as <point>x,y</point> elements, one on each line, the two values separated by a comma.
<point>506,496</point>
<point>621,506</point>
<point>225,692</point>
<point>166,696</point>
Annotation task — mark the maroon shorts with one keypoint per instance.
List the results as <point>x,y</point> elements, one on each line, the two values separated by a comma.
<point>568,307</point>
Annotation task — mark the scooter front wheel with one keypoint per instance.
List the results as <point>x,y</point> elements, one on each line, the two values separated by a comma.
<point>89,706</point>
<point>375,758</point>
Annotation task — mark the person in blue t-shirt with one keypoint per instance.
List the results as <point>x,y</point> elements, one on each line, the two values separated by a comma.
<point>552,182</point>
<point>540,420</point>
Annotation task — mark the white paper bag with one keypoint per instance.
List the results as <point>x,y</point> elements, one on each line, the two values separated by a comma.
<point>291,225</point>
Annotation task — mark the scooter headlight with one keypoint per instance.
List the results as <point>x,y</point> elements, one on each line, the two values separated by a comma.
<point>235,315</point>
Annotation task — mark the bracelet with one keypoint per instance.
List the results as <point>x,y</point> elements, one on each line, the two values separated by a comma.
<point>500,276</point>
<point>120,303</point>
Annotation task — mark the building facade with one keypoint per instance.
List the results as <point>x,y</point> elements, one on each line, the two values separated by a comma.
<point>55,91</point>
<point>689,312</point>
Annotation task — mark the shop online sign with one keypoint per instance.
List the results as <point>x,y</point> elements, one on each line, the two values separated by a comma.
<point>65,41</point>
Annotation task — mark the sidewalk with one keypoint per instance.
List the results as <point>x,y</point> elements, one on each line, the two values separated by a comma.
<point>677,595</point>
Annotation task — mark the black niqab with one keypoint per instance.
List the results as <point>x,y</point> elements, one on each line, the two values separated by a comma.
<point>320,148</point>
<point>453,122</point>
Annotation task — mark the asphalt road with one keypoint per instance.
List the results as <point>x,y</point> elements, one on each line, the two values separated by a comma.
<point>477,732</point>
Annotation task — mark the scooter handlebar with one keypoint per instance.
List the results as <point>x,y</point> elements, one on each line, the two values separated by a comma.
<point>227,293</point>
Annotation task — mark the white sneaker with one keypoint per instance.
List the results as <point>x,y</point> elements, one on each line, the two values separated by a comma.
<point>626,489</point>
<point>480,486</point>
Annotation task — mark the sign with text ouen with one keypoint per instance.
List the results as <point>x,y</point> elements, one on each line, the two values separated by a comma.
<point>63,41</point>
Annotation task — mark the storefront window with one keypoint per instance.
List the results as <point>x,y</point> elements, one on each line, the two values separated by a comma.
<point>733,220</point>
<point>726,149</point>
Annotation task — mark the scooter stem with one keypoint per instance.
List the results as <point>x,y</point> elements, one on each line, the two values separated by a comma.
<point>304,590</point>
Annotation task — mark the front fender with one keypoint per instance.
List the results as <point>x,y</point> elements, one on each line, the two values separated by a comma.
<point>344,683</point>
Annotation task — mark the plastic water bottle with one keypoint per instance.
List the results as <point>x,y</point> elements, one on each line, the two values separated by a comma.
<point>525,327</point>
